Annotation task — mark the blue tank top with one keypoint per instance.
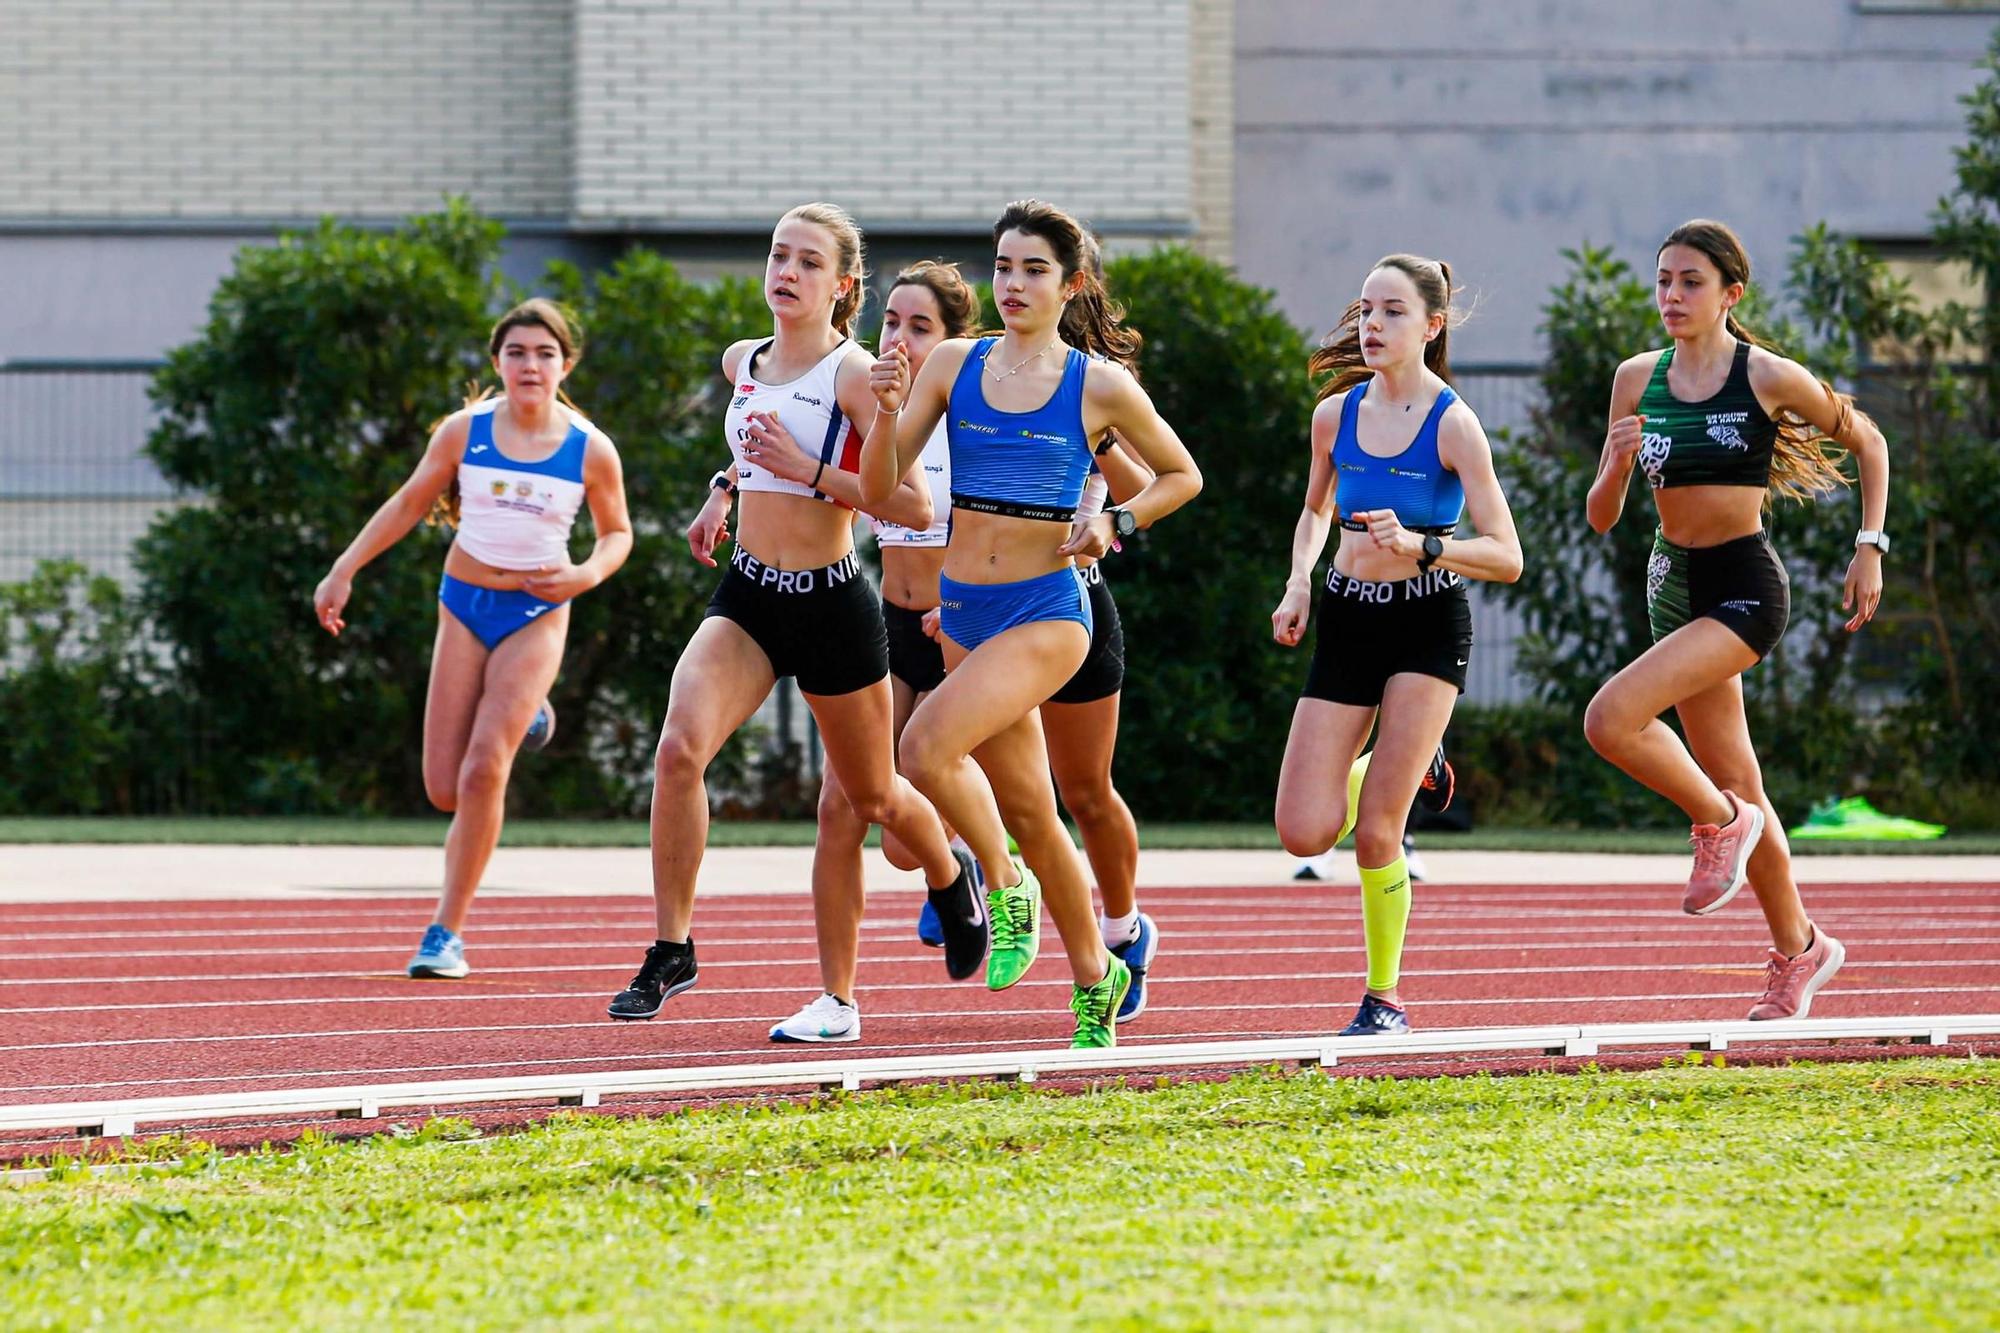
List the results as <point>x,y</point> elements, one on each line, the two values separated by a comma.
<point>1425,494</point>
<point>1018,464</point>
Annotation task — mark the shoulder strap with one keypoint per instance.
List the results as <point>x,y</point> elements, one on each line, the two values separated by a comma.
<point>480,430</point>
<point>1348,405</point>
<point>747,367</point>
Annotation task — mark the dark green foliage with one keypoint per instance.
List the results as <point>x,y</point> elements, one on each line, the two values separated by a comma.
<point>1208,696</point>
<point>79,709</point>
<point>305,401</point>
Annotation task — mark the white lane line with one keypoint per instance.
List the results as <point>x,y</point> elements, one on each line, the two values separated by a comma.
<point>440,996</point>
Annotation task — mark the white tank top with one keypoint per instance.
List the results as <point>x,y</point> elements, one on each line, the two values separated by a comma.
<point>936,463</point>
<point>808,410</point>
<point>516,515</point>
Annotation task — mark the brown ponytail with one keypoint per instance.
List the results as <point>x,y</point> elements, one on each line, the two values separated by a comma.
<point>1339,353</point>
<point>1091,321</point>
<point>1802,463</point>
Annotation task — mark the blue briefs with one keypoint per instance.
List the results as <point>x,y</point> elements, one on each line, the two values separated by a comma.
<point>972,613</point>
<point>490,613</point>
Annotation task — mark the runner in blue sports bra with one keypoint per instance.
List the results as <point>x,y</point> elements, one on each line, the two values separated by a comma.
<point>1021,411</point>
<point>1397,457</point>
<point>511,473</point>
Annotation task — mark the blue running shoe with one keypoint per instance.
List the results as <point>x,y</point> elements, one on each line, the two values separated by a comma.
<point>1377,1018</point>
<point>542,729</point>
<point>1137,955</point>
<point>441,955</point>
<point>929,929</point>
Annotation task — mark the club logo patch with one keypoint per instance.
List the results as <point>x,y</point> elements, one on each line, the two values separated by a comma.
<point>1653,451</point>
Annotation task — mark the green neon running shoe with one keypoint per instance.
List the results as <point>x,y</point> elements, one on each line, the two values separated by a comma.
<point>1096,1006</point>
<point>1854,819</point>
<point>1015,919</point>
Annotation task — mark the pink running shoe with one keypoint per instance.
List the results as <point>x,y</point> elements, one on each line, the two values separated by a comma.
<point>1722,858</point>
<point>1791,983</point>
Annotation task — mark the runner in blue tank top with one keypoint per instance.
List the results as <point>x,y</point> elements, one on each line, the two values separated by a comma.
<point>1021,411</point>
<point>1395,456</point>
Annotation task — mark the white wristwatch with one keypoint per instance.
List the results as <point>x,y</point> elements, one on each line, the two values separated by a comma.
<point>1872,537</point>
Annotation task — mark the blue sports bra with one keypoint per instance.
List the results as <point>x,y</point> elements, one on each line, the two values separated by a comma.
<point>1425,495</point>
<point>1017,464</point>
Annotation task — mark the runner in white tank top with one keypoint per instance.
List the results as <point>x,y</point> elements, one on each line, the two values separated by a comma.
<point>524,464</point>
<point>791,603</point>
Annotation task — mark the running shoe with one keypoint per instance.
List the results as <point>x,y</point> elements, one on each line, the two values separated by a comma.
<point>1377,1018</point>
<point>930,930</point>
<point>662,976</point>
<point>1137,955</point>
<point>542,728</point>
<point>1096,1007</point>
<point>1413,860</point>
<point>1722,857</point>
<point>960,919</point>
<point>1015,917</point>
<point>1855,820</point>
<point>441,955</point>
<point>1316,867</point>
<point>825,1019</point>
<point>1434,793</point>
<point>1791,983</point>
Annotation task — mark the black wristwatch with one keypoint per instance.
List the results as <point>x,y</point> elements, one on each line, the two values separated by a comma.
<point>723,482</point>
<point>1433,552</point>
<point>1122,523</point>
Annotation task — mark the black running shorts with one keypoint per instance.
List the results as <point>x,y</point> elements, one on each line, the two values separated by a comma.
<point>1368,631</point>
<point>1741,583</point>
<point>823,627</point>
<point>1103,671</point>
<point>915,658</point>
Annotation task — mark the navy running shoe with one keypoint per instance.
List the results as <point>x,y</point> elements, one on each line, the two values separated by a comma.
<point>1137,955</point>
<point>1377,1018</point>
<point>929,929</point>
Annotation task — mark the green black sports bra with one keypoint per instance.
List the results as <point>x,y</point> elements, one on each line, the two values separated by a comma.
<point>1721,441</point>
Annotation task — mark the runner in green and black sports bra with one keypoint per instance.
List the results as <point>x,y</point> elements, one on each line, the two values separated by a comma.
<point>1717,595</point>
<point>1724,440</point>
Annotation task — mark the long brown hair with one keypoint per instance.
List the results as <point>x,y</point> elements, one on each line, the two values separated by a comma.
<point>1802,464</point>
<point>539,312</point>
<point>1091,321</point>
<point>956,301</point>
<point>851,257</point>
<point>1338,355</point>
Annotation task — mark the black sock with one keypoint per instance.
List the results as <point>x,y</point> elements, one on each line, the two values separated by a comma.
<point>676,948</point>
<point>955,898</point>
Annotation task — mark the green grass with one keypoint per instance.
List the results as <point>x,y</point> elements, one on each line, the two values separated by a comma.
<point>333,831</point>
<point>1697,1197</point>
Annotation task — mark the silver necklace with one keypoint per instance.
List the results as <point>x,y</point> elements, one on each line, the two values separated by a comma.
<point>1022,365</point>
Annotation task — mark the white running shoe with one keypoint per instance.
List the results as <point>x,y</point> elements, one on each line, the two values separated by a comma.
<point>1412,860</point>
<point>825,1019</point>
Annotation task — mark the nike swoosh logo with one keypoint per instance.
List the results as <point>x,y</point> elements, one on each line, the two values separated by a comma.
<point>978,911</point>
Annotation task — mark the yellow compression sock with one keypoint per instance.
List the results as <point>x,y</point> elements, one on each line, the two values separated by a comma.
<point>1354,776</point>
<point>1385,918</point>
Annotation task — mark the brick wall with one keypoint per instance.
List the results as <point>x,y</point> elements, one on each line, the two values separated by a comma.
<point>212,109</point>
<point>918,112</point>
<point>1212,124</point>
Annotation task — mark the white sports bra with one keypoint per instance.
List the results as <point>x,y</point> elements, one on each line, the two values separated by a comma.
<point>808,410</point>
<point>936,463</point>
<point>516,515</point>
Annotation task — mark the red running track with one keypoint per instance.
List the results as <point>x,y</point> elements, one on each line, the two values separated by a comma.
<point>104,1001</point>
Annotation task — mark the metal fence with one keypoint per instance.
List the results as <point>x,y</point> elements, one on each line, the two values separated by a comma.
<point>75,483</point>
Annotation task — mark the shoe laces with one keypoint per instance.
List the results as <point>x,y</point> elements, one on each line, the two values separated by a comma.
<point>1709,856</point>
<point>1010,917</point>
<point>825,1007</point>
<point>1778,969</point>
<point>1091,1003</point>
<point>436,939</point>
<point>652,971</point>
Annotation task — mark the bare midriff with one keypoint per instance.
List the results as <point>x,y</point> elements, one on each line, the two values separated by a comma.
<point>793,531</point>
<point>992,548</point>
<point>1709,515</point>
<point>910,576</point>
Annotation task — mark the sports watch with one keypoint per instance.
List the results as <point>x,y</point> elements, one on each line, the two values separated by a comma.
<point>1872,537</point>
<point>1433,552</point>
<point>723,482</point>
<point>1123,524</point>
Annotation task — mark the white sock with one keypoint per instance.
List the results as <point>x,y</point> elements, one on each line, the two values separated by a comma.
<point>1119,929</point>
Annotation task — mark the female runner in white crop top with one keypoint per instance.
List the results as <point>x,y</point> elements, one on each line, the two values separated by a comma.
<point>792,601</point>
<point>504,608</point>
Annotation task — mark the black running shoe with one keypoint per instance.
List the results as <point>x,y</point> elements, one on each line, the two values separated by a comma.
<point>961,914</point>
<point>1377,1018</point>
<point>1435,792</point>
<point>666,972</point>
